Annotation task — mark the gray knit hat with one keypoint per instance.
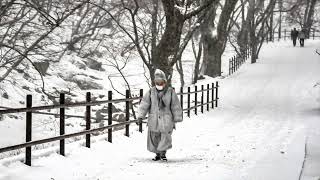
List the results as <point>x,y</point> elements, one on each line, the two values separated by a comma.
<point>159,75</point>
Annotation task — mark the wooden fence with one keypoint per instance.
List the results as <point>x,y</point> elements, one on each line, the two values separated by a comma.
<point>236,61</point>
<point>286,35</point>
<point>210,92</point>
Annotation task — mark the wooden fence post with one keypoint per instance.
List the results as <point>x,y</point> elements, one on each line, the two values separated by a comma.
<point>313,33</point>
<point>273,32</point>
<point>202,98</point>
<point>229,67</point>
<point>127,112</point>
<point>212,96</point>
<point>234,63</point>
<point>62,124</point>
<point>241,59</point>
<point>188,112</point>
<point>208,98</point>
<point>181,97</point>
<point>28,130</point>
<point>88,119</point>
<point>195,100</point>
<point>140,125</point>
<point>110,116</point>
<point>237,62</point>
<point>243,56</point>
<point>285,34</point>
<point>217,90</point>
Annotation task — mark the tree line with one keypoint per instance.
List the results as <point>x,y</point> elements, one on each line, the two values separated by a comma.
<point>156,31</point>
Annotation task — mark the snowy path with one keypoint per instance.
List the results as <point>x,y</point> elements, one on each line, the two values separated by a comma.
<point>266,112</point>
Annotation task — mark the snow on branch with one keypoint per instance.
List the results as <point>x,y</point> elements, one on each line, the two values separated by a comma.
<point>185,10</point>
<point>196,10</point>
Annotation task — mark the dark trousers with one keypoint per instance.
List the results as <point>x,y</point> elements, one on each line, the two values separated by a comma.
<point>294,41</point>
<point>301,42</point>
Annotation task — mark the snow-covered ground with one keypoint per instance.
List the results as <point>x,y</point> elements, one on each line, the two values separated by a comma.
<point>267,113</point>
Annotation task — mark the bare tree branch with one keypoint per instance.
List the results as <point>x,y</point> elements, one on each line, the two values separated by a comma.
<point>198,10</point>
<point>42,37</point>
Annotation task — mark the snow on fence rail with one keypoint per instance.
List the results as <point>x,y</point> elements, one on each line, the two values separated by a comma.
<point>213,90</point>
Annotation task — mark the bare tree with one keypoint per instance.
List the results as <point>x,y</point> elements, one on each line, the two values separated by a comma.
<point>257,18</point>
<point>309,15</point>
<point>214,44</point>
<point>166,45</point>
<point>302,13</point>
<point>17,40</point>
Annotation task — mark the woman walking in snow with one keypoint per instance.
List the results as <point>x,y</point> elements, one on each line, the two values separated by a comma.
<point>302,36</point>
<point>162,105</point>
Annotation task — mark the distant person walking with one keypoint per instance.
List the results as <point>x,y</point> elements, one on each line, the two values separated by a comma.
<point>302,36</point>
<point>294,36</point>
<point>162,105</point>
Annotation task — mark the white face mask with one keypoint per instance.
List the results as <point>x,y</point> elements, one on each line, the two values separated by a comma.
<point>159,87</point>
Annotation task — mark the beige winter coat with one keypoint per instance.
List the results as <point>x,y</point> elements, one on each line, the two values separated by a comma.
<point>161,120</point>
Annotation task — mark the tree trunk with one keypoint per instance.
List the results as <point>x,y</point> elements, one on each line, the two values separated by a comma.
<point>257,26</point>
<point>306,12</point>
<point>214,45</point>
<point>252,30</point>
<point>180,71</point>
<point>280,18</point>
<point>198,58</point>
<point>214,57</point>
<point>253,45</point>
<point>309,17</point>
<point>242,38</point>
<point>154,26</point>
<point>206,29</point>
<point>170,41</point>
<point>271,34</point>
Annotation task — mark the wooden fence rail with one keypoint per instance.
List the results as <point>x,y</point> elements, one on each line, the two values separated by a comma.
<point>29,110</point>
<point>286,34</point>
